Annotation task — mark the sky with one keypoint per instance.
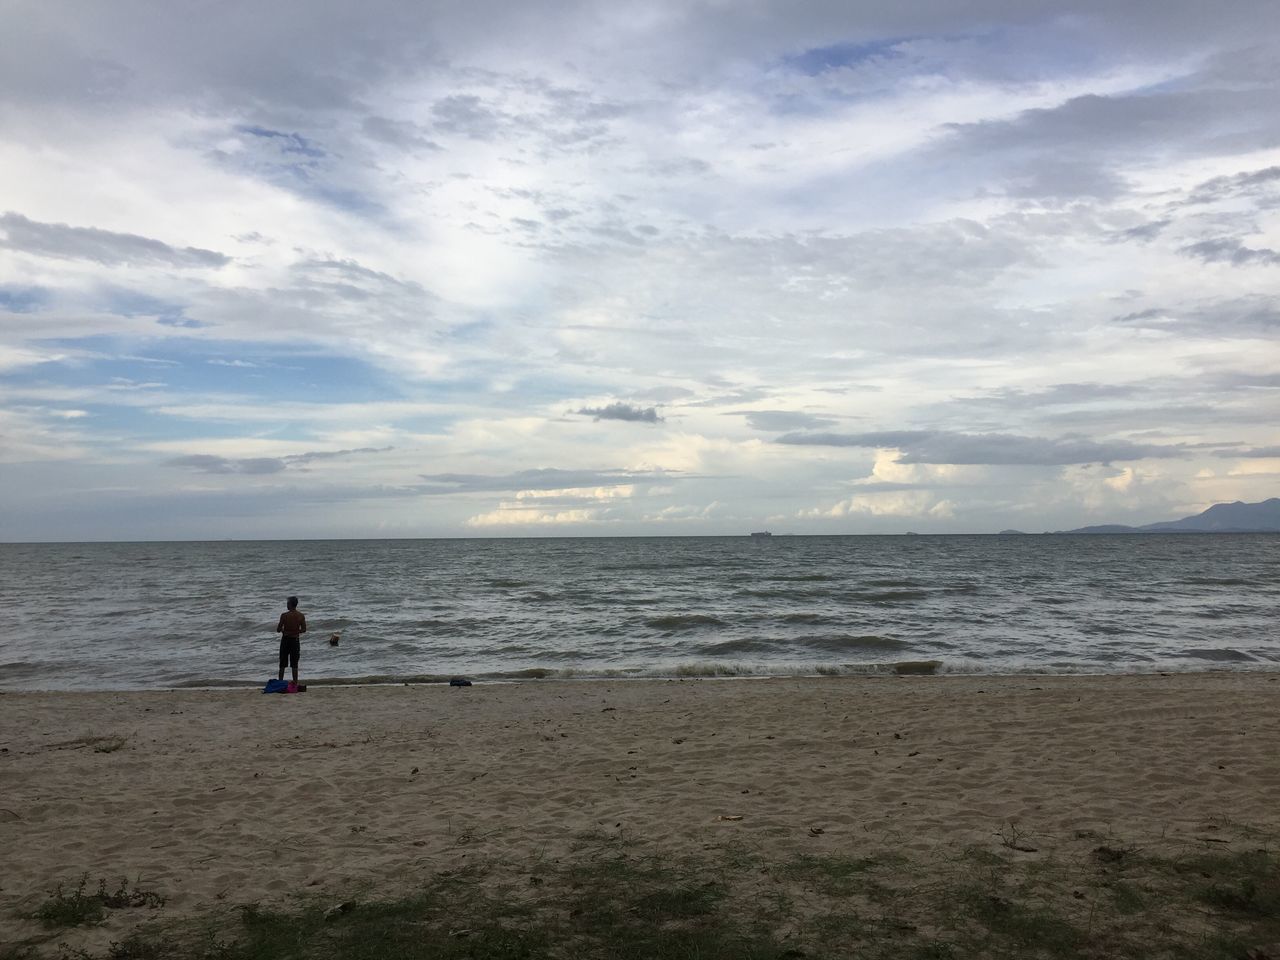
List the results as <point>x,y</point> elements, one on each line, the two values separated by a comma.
<point>314,269</point>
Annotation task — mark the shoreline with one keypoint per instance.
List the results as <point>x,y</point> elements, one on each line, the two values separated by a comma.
<point>221,797</point>
<point>702,670</point>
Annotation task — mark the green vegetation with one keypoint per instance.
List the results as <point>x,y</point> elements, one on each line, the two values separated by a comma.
<point>74,907</point>
<point>616,898</point>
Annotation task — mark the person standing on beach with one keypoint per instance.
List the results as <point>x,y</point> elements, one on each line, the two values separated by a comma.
<point>291,627</point>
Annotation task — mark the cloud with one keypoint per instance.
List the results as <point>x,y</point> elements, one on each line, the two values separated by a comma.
<point>1229,250</point>
<point>1145,232</point>
<point>259,466</point>
<point>935,446</point>
<point>623,411</point>
<point>23,299</point>
<point>783,420</point>
<point>544,479</point>
<point>1122,124</point>
<point>1065,179</point>
<point>1264,453</point>
<point>208,463</point>
<point>288,142</point>
<point>1059,394</point>
<point>101,246</point>
<point>1018,236</point>
<point>1246,316</point>
<point>1247,183</point>
<point>506,517</point>
<point>397,133</point>
<point>468,116</point>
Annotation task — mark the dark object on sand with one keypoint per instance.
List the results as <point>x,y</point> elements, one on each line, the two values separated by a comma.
<point>459,682</point>
<point>916,668</point>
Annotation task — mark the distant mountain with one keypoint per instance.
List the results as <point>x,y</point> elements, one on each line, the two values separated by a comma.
<point>1235,517</point>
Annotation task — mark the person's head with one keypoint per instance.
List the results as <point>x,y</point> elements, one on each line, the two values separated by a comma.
<point>292,603</point>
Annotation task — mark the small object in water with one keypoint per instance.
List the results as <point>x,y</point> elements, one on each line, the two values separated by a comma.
<point>761,534</point>
<point>459,682</point>
<point>334,638</point>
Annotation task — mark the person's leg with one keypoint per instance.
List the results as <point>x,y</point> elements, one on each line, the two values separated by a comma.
<point>284,657</point>
<point>293,663</point>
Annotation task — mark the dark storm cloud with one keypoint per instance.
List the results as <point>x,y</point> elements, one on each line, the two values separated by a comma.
<point>1230,250</point>
<point>783,420</point>
<point>549,478</point>
<point>259,466</point>
<point>995,449</point>
<point>101,246</point>
<point>622,411</point>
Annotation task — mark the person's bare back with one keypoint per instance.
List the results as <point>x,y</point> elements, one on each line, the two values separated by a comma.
<point>291,627</point>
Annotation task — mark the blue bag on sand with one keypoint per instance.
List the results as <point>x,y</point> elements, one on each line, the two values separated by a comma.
<point>275,686</point>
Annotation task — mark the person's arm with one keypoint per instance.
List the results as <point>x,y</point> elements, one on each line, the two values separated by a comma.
<point>280,624</point>
<point>302,619</point>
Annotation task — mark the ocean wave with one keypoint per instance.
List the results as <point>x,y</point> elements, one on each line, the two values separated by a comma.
<point>781,593</point>
<point>684,621</point>
<point>891,596</point>
<point>729,648</point>
<point>840,642</point>
<point>1218,655</point>
<point>547,596</point>
<point>803,618</point>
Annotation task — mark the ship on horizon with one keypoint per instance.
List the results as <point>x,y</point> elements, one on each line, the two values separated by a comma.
<point>762,533</point>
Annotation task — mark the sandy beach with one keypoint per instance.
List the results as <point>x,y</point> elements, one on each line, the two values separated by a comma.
<point>230,796</point>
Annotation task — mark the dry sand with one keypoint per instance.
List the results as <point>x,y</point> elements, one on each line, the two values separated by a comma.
<point>216,797</point>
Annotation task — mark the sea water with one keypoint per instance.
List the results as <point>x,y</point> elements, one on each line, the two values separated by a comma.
<point>142,615</point>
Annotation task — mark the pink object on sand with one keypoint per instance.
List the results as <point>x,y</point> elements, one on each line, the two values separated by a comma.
<point>292,688</point>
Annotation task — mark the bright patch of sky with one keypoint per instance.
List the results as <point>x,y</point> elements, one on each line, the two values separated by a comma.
<point>405,269</point>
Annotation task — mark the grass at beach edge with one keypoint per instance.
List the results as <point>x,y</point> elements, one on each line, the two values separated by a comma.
<point>621,898</point>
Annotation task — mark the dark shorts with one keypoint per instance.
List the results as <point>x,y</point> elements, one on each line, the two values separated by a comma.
<point>290,648</point>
